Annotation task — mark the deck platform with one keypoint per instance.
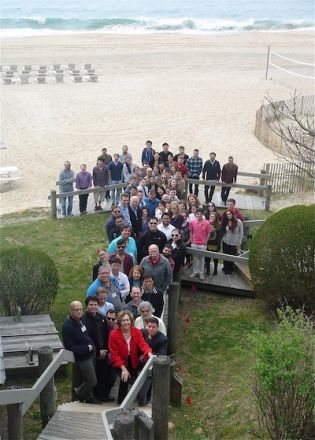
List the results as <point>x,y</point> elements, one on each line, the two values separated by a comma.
<point>235,284</point>
<point>80,421</point>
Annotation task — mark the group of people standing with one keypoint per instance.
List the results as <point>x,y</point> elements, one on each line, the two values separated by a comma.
<point>119,168</point>
<point>148,232</point>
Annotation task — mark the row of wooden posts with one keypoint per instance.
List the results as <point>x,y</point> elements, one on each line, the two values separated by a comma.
<point>167,387</point>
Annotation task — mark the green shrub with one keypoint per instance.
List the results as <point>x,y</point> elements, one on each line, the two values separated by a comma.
<point>281,260</point>
<point>283,364</point>
<point>28,279</point>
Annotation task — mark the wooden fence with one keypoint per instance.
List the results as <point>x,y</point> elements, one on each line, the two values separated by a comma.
<point>289,178</point>
<point>304,105</point>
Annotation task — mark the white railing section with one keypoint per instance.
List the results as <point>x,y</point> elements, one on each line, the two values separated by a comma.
<point>26,396</point>
<point>109,415</point>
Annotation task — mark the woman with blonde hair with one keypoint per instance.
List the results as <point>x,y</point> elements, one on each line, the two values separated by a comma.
<point>176,218</point>
<point>126,345</point>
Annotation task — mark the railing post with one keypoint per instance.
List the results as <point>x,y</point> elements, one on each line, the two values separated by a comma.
<point>124,426</point>
<point>263,179</point>
<point>15,419</point>
<point>53,204</point>
<point>47,396</point>
<point>173,298</point>
<point>160,400</point>
<point>268,197</point>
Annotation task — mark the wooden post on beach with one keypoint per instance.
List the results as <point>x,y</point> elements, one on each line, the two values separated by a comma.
<point>15,419</point>
<point>268,197</point>
<point>47,396</point>
<point>124,426</point>
<point>53,203</point>
<point>160,398</point>
<point>173,299</point>
<point>268,61</point>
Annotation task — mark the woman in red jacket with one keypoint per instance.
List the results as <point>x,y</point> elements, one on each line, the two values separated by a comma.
<point>125,343</point>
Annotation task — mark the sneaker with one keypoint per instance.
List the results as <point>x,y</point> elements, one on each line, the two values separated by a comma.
<point>202,277</point>
<point>193,274</point>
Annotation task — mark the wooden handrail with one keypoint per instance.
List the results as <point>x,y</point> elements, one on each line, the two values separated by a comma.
<point>26,396</point>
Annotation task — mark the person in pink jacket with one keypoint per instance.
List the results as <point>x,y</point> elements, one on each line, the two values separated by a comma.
<point>200,230</point>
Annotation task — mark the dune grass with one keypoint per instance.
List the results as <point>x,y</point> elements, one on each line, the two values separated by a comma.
<point>216,396</point>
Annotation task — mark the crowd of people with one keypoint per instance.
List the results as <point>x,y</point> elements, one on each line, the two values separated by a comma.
<point>150,227</point>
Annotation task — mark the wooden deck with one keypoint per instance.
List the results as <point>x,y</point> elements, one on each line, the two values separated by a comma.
<point>33,331</point>
<point>80,421</point>
<point>235,284</point>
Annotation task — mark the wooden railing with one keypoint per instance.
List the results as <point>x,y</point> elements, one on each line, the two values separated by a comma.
<point>262,187</point>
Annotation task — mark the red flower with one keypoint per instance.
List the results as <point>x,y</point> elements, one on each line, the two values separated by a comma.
<point>187,320</point>
<point>188,400</point>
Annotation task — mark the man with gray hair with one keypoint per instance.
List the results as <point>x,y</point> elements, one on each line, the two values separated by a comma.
<point>157,266</point>
<point>76,339</point>
<point>66,179</point>
<point>135,215</point>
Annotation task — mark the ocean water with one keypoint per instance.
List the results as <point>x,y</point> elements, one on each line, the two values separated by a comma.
<point>32,17</point>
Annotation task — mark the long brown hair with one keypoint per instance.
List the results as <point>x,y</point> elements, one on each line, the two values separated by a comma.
<point>225,221</point>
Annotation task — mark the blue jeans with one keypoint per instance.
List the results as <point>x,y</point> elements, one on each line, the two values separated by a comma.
<point>66,210</point>
<point>115,192</point>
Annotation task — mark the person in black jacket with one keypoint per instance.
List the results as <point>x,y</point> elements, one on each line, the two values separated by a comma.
<point>211,171</point>
<point>159,344</point>
<point>77,340</point>
<point>98,331</point>
<point>151,236</point>
<point>135,215</point>
<point>153,295</point>
<point>178,251</point>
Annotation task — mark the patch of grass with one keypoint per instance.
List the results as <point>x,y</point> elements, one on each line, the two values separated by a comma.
<point>215,371</point>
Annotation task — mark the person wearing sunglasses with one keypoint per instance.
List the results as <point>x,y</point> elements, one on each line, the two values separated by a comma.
<point>125,258</point>
<point>110,224</point>
<point>151,236</point>
<point>178,250</point>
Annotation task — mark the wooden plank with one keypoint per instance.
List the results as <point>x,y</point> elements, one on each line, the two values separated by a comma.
<point>25,319</point>
<point>36,343</point>
<point>9,331</point>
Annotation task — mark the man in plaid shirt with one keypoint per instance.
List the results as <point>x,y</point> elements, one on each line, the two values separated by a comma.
<point>194,165</point>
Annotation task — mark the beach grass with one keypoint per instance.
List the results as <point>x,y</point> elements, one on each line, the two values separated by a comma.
<point>214,370</point>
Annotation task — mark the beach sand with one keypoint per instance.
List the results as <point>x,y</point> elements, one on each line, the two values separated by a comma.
<point>192,90</point>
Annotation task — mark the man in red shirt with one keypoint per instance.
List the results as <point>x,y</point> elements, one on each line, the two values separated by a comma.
<point>229,174</point>
<point>180,166</point>
<point>200,230</point>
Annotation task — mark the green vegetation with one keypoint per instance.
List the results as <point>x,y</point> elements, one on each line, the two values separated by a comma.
<point>282,258</point>
<point>283,363</point>
<point>216,374</point>
<point>28,279</point>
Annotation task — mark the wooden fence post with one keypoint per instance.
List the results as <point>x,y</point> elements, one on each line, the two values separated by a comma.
<point>124,426</point>
<point>15,419</point>
<point>145,427</point>
<point>53,204</point>
<point>176,385</point>
<point>160,400</point>
<point>268,197</point>
<point>47,395</point>
<point>173,298</point>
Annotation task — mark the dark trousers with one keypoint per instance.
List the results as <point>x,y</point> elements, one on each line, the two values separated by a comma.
<point>225,193</point>
<point>105,379</point>
<point>196,191</point>
<point>215,262</point>
<point>228,266</point>
<point>83,198</point>
<point>208,196</point>
<point>89,381</point>
<point>123,386</point>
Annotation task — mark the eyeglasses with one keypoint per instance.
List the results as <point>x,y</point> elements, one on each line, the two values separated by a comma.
<point>116,212</point>
<point>211,206</point>
<point>110,319</point>
<point>153,223</point>
<point>175,235</point>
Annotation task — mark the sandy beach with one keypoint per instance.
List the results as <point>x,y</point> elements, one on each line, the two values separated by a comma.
<point>192,90</point>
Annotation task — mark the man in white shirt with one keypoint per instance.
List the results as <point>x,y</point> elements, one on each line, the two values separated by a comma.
<point>165,226</point>
<point>119,278</point>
